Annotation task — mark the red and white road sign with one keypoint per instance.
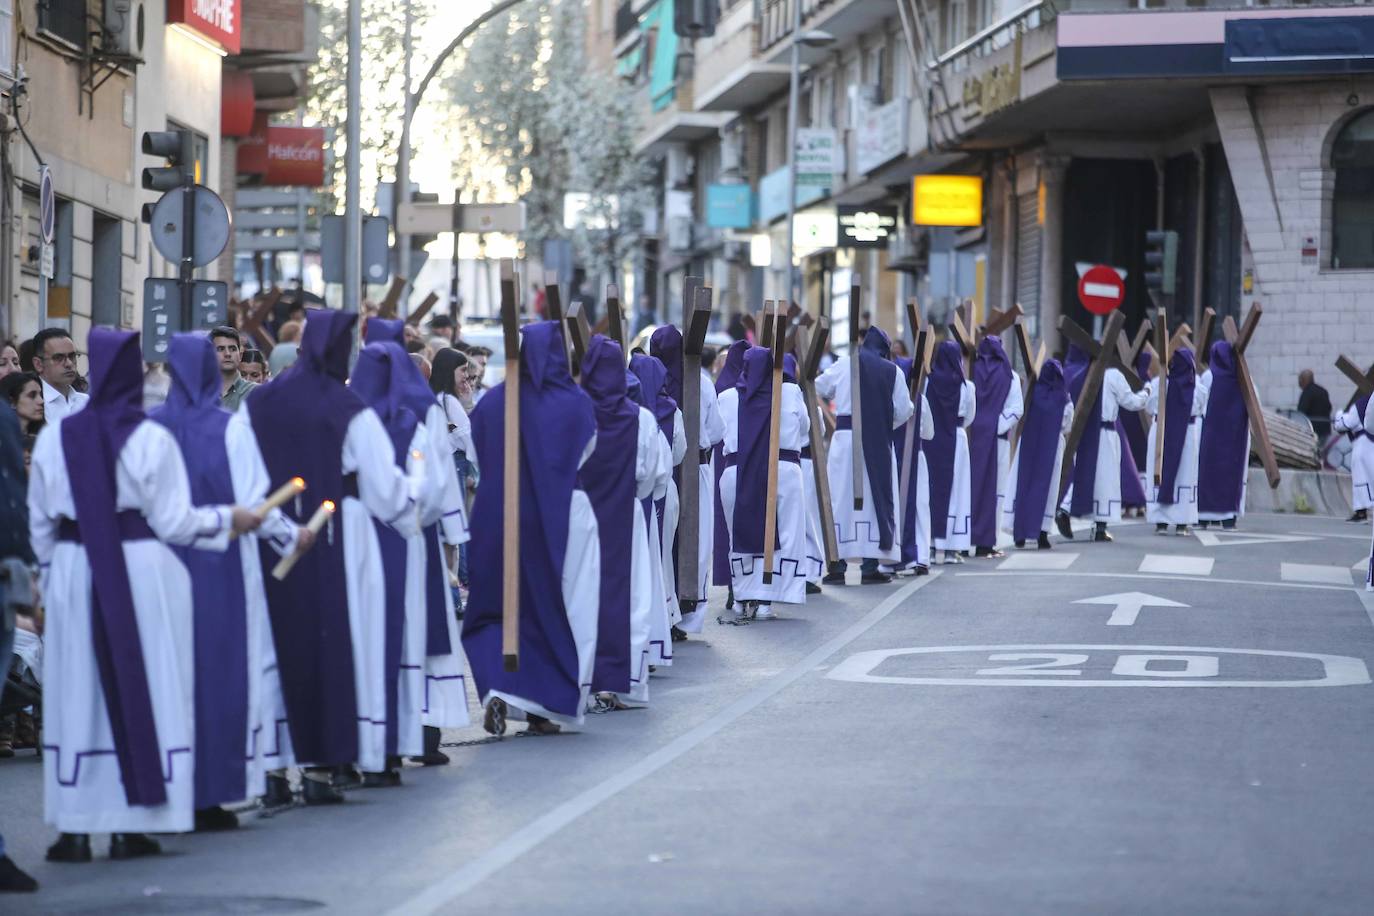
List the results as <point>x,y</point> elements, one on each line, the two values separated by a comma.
<point>1101,288</point>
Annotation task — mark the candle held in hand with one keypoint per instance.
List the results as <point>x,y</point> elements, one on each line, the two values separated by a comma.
<point>317,521</point>
<point>292,487</point>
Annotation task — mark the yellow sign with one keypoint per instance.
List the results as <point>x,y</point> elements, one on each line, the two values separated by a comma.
<point>947,200</point>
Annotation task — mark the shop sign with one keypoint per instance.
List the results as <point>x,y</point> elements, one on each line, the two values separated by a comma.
<point>814,230</point>
<point>999,87</point>
<point>947,200</point>
<point>295,157</point>
<point>217,20</point>
<point>866,226</point>
<point>880,135</point>
<point>773,195</point>
<point>818,156</point>
<point>729,206</point>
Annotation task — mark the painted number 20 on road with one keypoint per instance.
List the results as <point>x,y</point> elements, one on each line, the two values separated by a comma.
<point>1099,666</point>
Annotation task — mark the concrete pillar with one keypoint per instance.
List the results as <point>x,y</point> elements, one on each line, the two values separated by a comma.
<point>1053,171</point>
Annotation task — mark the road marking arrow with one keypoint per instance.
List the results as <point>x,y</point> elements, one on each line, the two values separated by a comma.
<point>1127,606</point>
<point>1241,538</point>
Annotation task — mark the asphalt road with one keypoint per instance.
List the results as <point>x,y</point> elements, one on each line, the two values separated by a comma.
<point>1161,725</point>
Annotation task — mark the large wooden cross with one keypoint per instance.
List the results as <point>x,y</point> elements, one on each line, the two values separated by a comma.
<point>413,319</point>
<point>1363,380</point>
<point>696,318</point>
<point>923,347</point>
<point>615,319</point>
<point>810,349</point>
<point>770,506</point>
<point>963,332</point>
<point>1204,338</point>
<point>392,300</point>
<point>856,414</point>
<point>1086,411</point>
<point>1239,339</point>
<point>252,325</point>
<point>510,508</point>
<point>1031,361</point>
<point>579,336</point>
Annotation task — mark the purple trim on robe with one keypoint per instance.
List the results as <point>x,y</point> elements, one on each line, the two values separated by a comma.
<point>92,440</point>
<point>877,376</point>
<point>557,421</point>
<point>301,419</point>
<point>1224,452</point>
<point>219,604</point>
<point>1084,500</point>
<point>720,552</point>
<point>1132,492</point>
<point>608,477</point>
<point>1037,449</point>
<point>992,380</point>
<point>755,387</point>
<point>944,388</point>
<point>1182,381</point>
<point>909,549</point>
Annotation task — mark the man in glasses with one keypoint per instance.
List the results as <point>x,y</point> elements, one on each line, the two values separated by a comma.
<point>54,359</point>
<point>229,351</point>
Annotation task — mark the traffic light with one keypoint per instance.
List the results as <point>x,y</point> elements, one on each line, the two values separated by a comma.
<point>178,147</point>
<point>1161,261</point>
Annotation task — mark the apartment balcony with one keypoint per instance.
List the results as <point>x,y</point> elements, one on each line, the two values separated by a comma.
<point>845,19</point>
<point>732,77</point>
<point>676,122</point>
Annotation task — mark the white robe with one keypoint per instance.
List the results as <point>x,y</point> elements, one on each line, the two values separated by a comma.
<point>660,619</point>
<point>958,527</point>
<point>1012,408</point>
<point>857,531</point>
<point>1244,481</point>
<point>83,789</point>
<point>711,434</point>
<point>1116,397</point>
<point>661,642</point>
<point>1052,497</point>
<point>1183,511</point>
<point>789,560</point>
<point>815,546</point>
<point>920,479</point>
<point>651,464</point>
<point>1361,458</point>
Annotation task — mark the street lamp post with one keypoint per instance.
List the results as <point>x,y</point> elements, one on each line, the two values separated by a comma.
<point>814,39</point>
<point>353,216</point>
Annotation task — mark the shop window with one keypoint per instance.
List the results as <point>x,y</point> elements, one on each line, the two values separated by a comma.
<point>106,274</point>
<point>1352,197</point>
<point>64,20</point>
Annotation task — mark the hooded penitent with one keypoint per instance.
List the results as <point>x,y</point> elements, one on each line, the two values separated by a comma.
<point>193,414</point>
<point>557,420</point>
<point>91,442</point>
<point>1076,364</point>
<point>608,477</point>
<point>992,380</point>
<point>877,375</point>
<point>666,344</point>
<point>729,375</point>
<point>1177,419</point>
<point>943,391</point>
<point>755,387</point>
<point>1037,450</point>
<point>1223,454</point>
<point>909,518</point>
<point>301,420</point>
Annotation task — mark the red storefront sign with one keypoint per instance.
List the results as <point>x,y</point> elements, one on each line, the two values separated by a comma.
<point>295,157</point>
<point>237,104</point>
<point>217,20</point>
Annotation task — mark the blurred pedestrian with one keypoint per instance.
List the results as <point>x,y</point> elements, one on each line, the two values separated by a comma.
<point>55,360</point>
<point>9,359</point>
<point>24,392</point>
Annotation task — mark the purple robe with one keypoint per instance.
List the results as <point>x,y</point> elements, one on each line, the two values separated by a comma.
<point>557,420</point>
<point>755,387</point>
<point>1129,421</point>
<point>992,380</point>
<point>1224,452</point>
<point>1037,450</point>
<point>899,444</point>
<point>196,420</point>
<point>720,557</point>
<point>416,394</point>
<point>877,376</point>
<point>1132,491</point>
<point>666,345</point>
<point>1182,381</point>
<point>91,442</point>
<point>653,382</point>
<point>301,419</point>
<point>378,378</point>
<point>943,390</point>
<point>608,477</point>
<point>1084,478</point>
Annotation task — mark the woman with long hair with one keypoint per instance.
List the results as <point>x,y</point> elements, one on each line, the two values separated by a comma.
<point>451,383</point>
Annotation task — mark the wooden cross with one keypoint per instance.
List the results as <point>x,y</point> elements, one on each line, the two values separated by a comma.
<point>923,348</point>
<point>766,321</point>
<point>1129,352</point>
<point>809,353</point>
<point>999,321</point>
<point>553,297</point>
<point>257,314</point>
<point>510,508</point>
<point>770,506</point>
<point>962,330</point>
<point>414,318</point>
<point>1363,381</point>
<point>1239,339</point>
<point>615,319</point>
<point>856,414</point>
<point>1031,361</point>
<point>1086,410</point>
<point>696,318</point>
<point>797,318</point>
<point>1204,338</point>
<point>387,307</point>
<point>579,335</point>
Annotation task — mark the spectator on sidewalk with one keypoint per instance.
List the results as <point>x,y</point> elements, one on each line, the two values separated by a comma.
<point>1315,403</point>
<point>55,360</point>
<point>229,349</point>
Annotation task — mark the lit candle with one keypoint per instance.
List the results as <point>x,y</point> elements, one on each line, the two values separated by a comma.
<point>292,487</point>
<point>317,521</point>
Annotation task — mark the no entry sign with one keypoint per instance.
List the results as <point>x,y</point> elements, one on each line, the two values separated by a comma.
<point>1101,288</point>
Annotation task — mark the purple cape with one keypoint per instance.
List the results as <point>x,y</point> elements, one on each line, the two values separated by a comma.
<point>666,344</point>
<point>992,379</point>
<point>219,609</point>
<point>378,378</point>
<point>653,391</point>
<point>899,443</point>
<point>877,376</point>
<point>91,442</point>
<point>943,390</point>
<point>557,421</point>
<point>301,419</point>
<point>1084,500</point>
<point>1182,381</point>
<point>755,387</point>
<point>1037,450</point>
<point>729,375</point>
<point>1134,429</point>
<point>1224,453</point>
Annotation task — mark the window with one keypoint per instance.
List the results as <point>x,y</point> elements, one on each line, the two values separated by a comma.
<point>1352,201</point>
<point>7,37</point>
<point>106,273</point>
<point>64,20</point>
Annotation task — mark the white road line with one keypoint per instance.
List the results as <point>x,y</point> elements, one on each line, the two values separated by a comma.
<point>1111,575</point>
<point>449,889</point>
<point>1176,565</point>
<point>1040,559</point>
<point>1311,572</point>
<point>1317,534</point>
